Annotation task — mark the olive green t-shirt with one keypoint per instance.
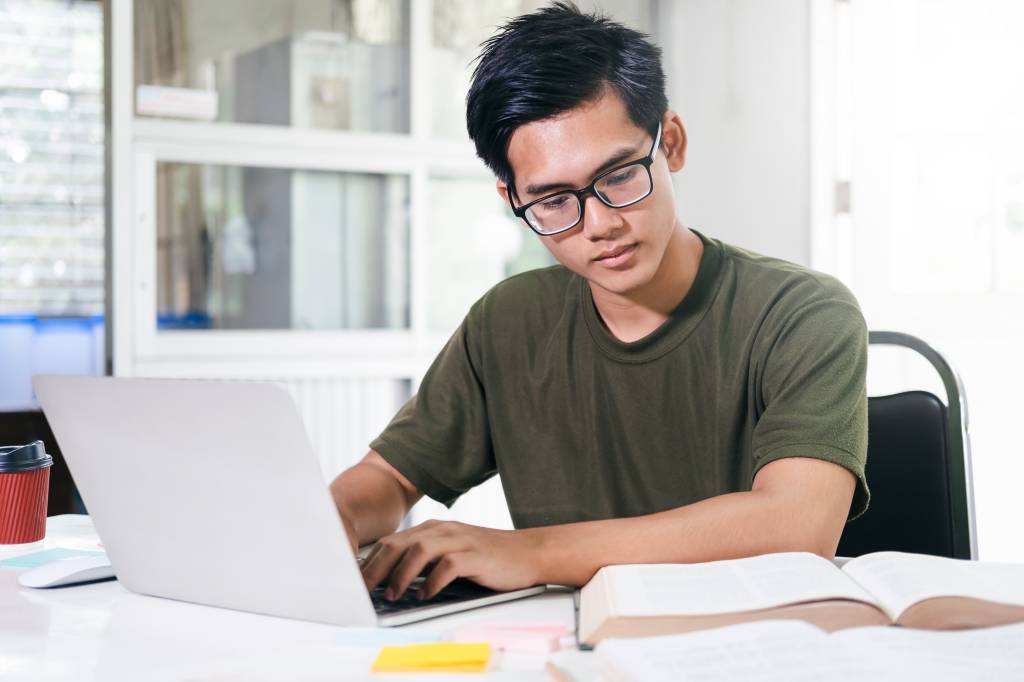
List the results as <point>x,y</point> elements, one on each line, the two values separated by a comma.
<point>762,360</point>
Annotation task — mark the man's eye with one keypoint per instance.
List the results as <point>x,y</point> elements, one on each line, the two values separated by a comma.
<point>554,203</point>
<point>622,176</point>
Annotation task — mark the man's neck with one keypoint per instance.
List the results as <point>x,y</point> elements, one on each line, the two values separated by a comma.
<point>631,317</point>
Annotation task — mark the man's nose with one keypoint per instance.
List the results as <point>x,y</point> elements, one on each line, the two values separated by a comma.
<point>600,221</point>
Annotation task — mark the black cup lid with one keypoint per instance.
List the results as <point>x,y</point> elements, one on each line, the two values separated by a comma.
<point>24,457</point>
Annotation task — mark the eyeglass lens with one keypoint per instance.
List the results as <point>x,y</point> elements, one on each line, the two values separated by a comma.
<point>620,188</point>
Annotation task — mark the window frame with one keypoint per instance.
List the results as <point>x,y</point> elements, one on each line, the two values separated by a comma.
<point>138,143</point>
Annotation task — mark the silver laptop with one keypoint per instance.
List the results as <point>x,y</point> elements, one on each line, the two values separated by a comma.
<point>209,492</point>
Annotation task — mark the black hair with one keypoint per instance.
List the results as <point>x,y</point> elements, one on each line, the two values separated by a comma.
<point>542,64</point>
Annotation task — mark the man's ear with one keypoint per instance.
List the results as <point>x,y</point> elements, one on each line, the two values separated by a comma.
<point>673,140</point>
<point>503,190</point>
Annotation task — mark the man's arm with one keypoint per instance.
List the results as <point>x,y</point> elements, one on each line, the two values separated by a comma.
<point>373,498</point>
<point>795,504</point>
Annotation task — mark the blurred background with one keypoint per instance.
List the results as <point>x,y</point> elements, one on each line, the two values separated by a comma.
<point>284,190</point>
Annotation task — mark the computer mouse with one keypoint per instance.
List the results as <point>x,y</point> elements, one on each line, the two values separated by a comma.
<point>70,571</point>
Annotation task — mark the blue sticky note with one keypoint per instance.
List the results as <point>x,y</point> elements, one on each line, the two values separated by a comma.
<point>374,637</point>
<point>36,558</point>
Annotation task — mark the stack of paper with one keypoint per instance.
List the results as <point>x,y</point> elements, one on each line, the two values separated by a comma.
<point>794,651</point>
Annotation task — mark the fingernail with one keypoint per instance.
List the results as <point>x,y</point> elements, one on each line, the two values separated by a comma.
<point>419,594</point>
<point>389,594</point>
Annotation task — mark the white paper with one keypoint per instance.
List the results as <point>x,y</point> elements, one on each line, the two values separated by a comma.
<point>578,666</point>
<point>764,651</point>
<point>991,654</point>
<point>899,580</point>
<point>727,586</point>
<point>787,650</point>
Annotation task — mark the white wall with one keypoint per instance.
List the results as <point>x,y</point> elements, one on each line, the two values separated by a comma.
<point>739,74</point>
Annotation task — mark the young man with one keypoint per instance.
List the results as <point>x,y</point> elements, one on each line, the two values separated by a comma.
<point>658,397</point>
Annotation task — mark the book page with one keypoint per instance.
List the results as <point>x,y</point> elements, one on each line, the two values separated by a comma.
<point>990,654</point>
<point>764,651</point>
<point>899,580</point>
<point>780,651</point>
<point>735,585</point>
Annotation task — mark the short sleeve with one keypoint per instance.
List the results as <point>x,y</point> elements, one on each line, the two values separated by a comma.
<point>813,395</point>
<point>440,439</point>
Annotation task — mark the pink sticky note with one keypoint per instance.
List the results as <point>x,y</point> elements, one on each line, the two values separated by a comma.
<point>522,638</point>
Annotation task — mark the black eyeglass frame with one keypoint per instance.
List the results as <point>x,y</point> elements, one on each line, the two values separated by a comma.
<point>581,193</point>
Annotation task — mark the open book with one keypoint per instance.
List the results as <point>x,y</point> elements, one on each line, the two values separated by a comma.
<point>792,651</point>
<point>884,588</point>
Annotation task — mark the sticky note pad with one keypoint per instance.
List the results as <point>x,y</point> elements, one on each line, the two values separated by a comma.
<point>38,558</point>
<point>439,657</point>
<point>538,639</point>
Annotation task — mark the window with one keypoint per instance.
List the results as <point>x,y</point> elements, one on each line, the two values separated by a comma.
<point>338,64</point>
<point>276,248</point>
<point>51,193</point>
<point>51,158</point>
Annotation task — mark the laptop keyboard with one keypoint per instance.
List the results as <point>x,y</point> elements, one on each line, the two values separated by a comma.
<point>458,590</point>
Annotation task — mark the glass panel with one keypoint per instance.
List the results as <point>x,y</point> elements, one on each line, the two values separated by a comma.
<point>472,253</point>
<point>338,64</point>
<point>459,26</point>
<point>270,248</point>
<point>51,158</point>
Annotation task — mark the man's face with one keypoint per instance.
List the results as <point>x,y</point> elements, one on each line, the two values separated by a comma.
<point>619,250</point>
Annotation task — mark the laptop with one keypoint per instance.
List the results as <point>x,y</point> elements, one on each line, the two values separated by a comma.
<point>209,492</point>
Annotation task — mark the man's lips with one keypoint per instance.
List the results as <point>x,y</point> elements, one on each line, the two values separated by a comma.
<point>616,255</point>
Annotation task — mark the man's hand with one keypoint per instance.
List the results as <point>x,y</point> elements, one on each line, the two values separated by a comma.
<point>795,504</point>
<point>498,559</point>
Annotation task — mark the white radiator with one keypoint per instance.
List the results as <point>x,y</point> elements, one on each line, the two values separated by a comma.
<point>342,415</point>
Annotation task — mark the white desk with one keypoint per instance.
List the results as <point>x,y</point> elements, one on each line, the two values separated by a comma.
<point>103,632</point>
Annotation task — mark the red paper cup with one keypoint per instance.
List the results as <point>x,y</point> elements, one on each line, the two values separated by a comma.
<point>24,487</point>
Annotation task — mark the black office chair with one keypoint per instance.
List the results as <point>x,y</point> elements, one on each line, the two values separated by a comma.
<point>918,469</point>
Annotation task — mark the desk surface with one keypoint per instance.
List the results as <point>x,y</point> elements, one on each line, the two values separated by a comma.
<point>103,632</point>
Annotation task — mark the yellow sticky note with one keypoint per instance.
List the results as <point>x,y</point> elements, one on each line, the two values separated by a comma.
<point>439,657</point>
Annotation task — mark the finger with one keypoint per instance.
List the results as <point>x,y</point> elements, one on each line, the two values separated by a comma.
<point>450,567</point>
<point>388,551</point>
<point>427,549</point>
<point>382,560</point>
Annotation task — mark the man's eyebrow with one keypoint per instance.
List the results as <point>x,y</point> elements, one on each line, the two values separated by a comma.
<point>623,154</point>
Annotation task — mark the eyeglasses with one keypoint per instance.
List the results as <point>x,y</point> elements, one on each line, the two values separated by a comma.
<point>618,187</point>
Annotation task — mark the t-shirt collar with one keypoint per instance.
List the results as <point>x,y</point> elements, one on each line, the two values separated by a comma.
<point>680,323</point>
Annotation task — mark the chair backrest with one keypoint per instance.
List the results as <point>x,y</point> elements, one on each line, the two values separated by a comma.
<point>918,469</point>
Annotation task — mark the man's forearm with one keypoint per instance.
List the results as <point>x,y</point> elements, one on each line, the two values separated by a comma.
<point>725,527</point>
<point>796,504</point>
<point>370,499</point>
